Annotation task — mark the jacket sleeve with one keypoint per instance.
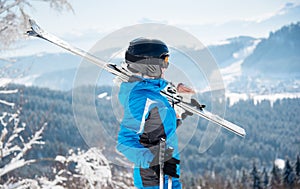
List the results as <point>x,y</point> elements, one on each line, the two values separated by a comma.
<point>168,118</point>
<point>131,128</point>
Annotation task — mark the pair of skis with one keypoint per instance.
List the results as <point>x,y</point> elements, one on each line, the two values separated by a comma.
<point>37,31</point>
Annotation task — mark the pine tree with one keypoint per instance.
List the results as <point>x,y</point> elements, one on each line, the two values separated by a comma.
<point>244,180</point>
<point>266,178</point>
<point>297,166</point>
<point>275,176</point>
<point>256,178</point>
<point>288,175</point>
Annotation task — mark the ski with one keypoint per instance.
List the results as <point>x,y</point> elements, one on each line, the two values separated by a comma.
<point>124,75</point>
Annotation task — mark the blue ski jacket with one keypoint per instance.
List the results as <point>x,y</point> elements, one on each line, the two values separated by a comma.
<point>148,116</point>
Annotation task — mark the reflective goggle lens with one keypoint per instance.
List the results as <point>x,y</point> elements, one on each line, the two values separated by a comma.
<point>165,63</point>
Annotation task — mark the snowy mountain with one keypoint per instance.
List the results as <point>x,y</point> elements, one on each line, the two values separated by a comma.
<point>277,56</point>
<point>251,68</point>
<point>228,51</point>
<point>266,70</point>
<point>55,71</point>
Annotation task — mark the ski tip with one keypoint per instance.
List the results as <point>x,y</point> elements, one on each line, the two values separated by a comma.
<point>35,29</point>
<point>237,130</point>
<point>243,133</point>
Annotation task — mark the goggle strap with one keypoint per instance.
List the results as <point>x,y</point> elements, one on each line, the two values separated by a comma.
<point>148,61</point>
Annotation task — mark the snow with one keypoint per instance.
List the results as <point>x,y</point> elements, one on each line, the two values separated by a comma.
<point>231,72</point>
<point>274,97</point>
<point>4,81</point>
<point>11,104</point>
<point>27,80</point>
<point>92,170</point>
<point>91,166</point>
<point>233,98</point>
<point>24,80</point>
<point>18,151</point>
<point>218,43</point>
<point>22,184</point>
<point>280,163</point>
<point>243,53</point>
<point>234,70</point>
<point>102,95</point>
<point>60,158</point>
<point>9,91</point>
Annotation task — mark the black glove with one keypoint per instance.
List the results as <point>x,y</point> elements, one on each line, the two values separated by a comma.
<point>170,164</point>
<point>185,114</point>
<point>170,167</point>
<point>194,102</point>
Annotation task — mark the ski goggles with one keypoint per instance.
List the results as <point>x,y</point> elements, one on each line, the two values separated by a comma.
<point>162,61</point>
<point>165,63</point>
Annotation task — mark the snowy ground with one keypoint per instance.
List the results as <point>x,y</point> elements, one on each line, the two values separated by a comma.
<point>258,98</point>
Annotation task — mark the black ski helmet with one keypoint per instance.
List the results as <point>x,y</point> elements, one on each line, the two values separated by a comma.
<point>147,56</point>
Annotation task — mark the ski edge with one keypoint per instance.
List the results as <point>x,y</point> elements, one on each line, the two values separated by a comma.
<point>214,118</point>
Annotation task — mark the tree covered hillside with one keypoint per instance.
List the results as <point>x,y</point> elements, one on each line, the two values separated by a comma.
<point>272,131</point>
<point>278,55</point>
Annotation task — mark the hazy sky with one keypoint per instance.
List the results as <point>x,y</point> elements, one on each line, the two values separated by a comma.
<point>209,20</point>
<point>113,14</point>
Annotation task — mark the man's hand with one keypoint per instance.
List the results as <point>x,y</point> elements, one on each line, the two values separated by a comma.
<point>182,89</point>
<point>186,93</point>
<point>170,167</point>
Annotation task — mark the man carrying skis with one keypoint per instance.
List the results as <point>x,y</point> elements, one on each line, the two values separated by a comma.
<point>148,116</point>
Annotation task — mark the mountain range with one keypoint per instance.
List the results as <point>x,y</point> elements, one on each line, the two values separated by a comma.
<point>242,60</point>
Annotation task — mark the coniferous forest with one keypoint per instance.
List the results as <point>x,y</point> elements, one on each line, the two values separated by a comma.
<point>272,133</point>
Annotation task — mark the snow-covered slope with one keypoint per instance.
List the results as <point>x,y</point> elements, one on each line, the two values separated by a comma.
<point>240,85</point>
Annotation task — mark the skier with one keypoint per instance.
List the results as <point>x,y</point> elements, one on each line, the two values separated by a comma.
<point>148,116</point>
